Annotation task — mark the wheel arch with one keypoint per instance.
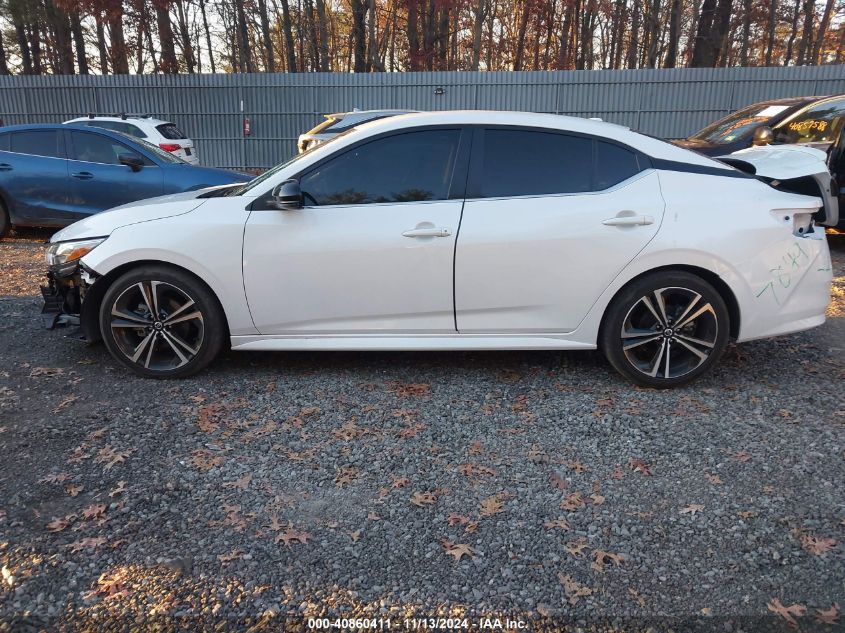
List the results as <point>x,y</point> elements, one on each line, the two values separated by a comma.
<point>719,284</point>
<point>90,315</point>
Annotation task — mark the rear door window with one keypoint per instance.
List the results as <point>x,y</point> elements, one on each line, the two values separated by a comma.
<point>534,163</point>
<point>819,123</point>
<point>170,131</point>
<point>614,164</point>
<point>4,142</point>
<point>36,143</point>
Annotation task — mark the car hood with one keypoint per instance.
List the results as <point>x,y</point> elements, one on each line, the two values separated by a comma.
<point>102,224</point>
<point>781,162</point>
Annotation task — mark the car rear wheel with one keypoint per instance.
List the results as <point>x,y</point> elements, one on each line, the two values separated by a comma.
<point>161,322</point>
<point>665,329</point>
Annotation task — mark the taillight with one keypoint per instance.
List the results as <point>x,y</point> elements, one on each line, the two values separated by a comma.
<point>170,147</point>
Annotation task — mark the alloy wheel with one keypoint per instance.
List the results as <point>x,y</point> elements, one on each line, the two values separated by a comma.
<point>157,325</point>
<point>669,332</point>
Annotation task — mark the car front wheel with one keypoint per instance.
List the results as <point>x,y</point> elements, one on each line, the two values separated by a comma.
<point>665,329</point>
<point>161,322</point>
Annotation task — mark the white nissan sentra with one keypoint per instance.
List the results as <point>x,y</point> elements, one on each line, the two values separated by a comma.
<point>462,231</point>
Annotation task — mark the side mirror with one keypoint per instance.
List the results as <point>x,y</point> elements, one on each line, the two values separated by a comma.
<point>286,196</point>
<point>763,135</point>
<point>133,161</point>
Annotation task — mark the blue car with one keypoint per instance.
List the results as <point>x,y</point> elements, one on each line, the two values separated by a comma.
<point>54,175</point>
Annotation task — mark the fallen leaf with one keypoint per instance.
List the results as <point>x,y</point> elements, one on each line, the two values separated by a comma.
<point>410,390</point>
<point>639,598</point>
<point>233,555</point>
<point>576,548</point>
<point>66,402</point>
<point>457,519</point>
<point>578,467</point>
<point>573,589</point>
<point>597,499</point>
<point>558,482</point>
<point>74,489</point>
<point>110,456</point>
<point>355,536</point>
<point>639,466</point>
<point>54,478</point>
<point>473,469</point>
<point>475,448</point>
<point>817,546</point>
<point>87,543</point>
<point>345,476</point>
<point>559,523</point>
<point>600,556</point>
<point>275,524</point>
<point>715,479</point>
<point>459,550</point>
<point>58,525</point>
<point>94,511</point>
<point>787,613</point>
<point>618,473</point>
<point>400,482</point>
<point>242,483</point>
<point>120,489</point>
<point>747,514</point>
<point>422,499</point>
<point>292,535</point>
<point>47,372</point>
<point>742,456</point>
<point>491,505</point>
<point>828,616</point>
<point>692,509</point>
<point>573,501</point>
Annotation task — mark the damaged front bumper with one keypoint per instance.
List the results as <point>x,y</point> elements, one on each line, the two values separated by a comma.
<point>65,294</point>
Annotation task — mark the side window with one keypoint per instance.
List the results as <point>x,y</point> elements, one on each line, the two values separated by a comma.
<point>525,163</point>
<point>36,143</point>
<point>407,167</point>
<point>94,148</point>
<point>819,123</point>
<point>133,130</point>
<point>4,142</point>
<point>613,165</point>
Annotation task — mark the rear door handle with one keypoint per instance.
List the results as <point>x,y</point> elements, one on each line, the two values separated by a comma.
<point>629,220</point>
<point>83,175</point>
<point>442,232</point>
<point>6,167</point>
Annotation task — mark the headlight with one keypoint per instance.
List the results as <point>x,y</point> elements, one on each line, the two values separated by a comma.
<point>62,253</point>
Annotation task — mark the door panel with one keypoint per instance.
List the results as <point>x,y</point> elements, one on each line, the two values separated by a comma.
<point>537,264</point>
<point>350,270</point>
<point>99,181</point>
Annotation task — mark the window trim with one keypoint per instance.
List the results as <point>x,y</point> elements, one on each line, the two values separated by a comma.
<point>457,182</point>
<point>473,189</point>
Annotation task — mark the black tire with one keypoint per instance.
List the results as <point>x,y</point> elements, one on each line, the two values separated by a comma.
<point>174,350</point>
<point>5,222</point>
<point>640,350</point>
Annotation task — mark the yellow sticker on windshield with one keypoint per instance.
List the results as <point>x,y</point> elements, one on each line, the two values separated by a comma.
<point>802,127</point>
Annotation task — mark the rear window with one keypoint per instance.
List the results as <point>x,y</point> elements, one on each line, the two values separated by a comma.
<point>4,142</point>
<point>346,124</point>
<point>170,131</point>
<point>36,143</point>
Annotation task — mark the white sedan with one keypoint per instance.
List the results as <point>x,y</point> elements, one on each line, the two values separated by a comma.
<point>457,230</point>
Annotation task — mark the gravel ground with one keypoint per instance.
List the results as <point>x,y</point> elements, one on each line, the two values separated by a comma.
<point>538,486</point>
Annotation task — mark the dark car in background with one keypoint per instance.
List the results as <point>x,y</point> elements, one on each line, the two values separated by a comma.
<point>800,120</point>
<point>54,175</point>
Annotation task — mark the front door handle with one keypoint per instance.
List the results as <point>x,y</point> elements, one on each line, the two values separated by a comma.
<point>83,175</point>
<point>6,167</point>
<point>428,232</point>
<point>629,220</point>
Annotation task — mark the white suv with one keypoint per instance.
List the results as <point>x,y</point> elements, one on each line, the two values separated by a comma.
<point>162,133</point>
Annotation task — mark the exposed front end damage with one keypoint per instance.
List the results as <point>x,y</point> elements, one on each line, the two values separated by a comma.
<point>65,299</point>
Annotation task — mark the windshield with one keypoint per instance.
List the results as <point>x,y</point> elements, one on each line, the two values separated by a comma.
<point>275,170</point>
<point>739,123</point>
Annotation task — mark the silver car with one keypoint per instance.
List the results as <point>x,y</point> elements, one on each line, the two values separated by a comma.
<point>340,122</point>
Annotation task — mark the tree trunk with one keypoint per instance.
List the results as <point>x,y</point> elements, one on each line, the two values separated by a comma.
<point>243,38</point>
<point>101,44</point>
<point>322,27</point>
<point>185,38</point>
<point>78,42</point>
<point>290,50</point>
<point>4,68</point>
<point>793,33</point>
<point>633,44</point>
<point>674,35</point>
<point>119,58</point>
<point>770,31</point>
<point>653,34</point>
<point>413,36</point>
<point>35,46</point>
<point>207,35</point>
<point>520,38</point>
<point>805,44</point>
<point>818,46</point>
<point>840,50</point>
<point>265,36</point>
<point>479,13</point>
<point>168,62</point>
<point>746,33</point>
<point>702,49</point>
<point>63,44</point>
<point>359,35</point>
<point>372,47</point>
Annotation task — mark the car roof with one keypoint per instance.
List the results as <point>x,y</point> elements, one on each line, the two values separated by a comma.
<point>28,127</point>
<point>129,119</point>
<point>366,113</point>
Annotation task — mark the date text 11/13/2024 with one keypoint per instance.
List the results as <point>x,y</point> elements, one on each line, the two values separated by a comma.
<point>416,624</point>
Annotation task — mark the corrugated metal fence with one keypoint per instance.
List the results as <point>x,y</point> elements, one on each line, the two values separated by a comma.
<point>210,108</point>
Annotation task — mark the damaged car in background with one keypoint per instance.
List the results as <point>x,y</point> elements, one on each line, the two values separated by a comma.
<point>463,230</point>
